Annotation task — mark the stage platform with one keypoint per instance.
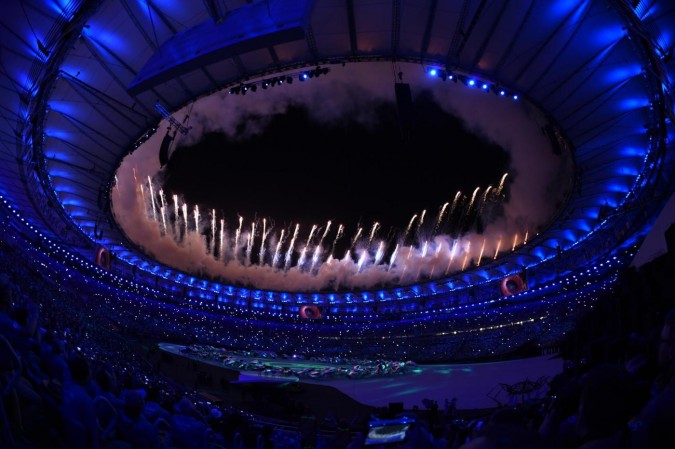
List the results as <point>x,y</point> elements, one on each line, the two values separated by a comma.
<point>476,386</point>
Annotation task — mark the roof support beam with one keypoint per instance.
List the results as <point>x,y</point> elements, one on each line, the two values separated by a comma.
<point>79,87</point>
<point>428,27</point>
<point>507,53</point>
<point>540,48</point>
<point>351,22</point>
<point>395,27</point>
<point>493,26</point>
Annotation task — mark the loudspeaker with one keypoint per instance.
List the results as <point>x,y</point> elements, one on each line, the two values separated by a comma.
<point>164,149</point>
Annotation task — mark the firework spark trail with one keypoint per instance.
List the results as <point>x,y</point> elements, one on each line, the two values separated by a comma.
<point>425,247</point>
<point>354,240</point>
<point>315,257</point>
<point>275,259</point>
<point>362,260</point>
<point>392,259</point>
<point>467,212</point>
<point>237,234</point>
<point>161,198</point>
<point>483,200</point>
<point>453,253</point>
<point>261,253</point>
<point>407,230</point>
<point>185,218</point>
<point>338,234</point>
<point>405,264</point>
<point>420,222</point>
<point>440,217</point>
<point>480,256</point>
<point>161,209</point>
<point>515,241</point>
<point>175,205</point>
<point>303,252</point>
<point>499,244</point>
<point>325,232</point>
<point>501,184</point>
<point>213,231</point>
<point>222,239</point>
<point>433,267</point>
<point>525,239</point>
<point>289,253</point>
<point>454,204</point>
<point>468,251</point>
<point>311,234</point>
<point>249,243</point>
<point>319,247</point>
<point>379,254</point>
<point>303,258</point>
<point>145,203</point>
<point>175,220</point>
<point>196,213</point>
<point>152,200</point>
<point>376,225</point>
<point>473,198</point>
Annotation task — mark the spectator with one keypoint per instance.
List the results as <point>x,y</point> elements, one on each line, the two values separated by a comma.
<point>666,355</point>
<point>450,409</point>
<point>358,441</point>
<point>188,429</point>
<point>134,427</point>
<point>654,427</point>
<point>10,370</point>
<point>309,429</point>
<point>608,401</point>
<point>505,435</point>
<point>77,406</point>
<point>153,408</point>
<point>343,434</point>
<point>55,364</point>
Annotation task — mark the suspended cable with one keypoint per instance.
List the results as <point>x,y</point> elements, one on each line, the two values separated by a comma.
<point>152,22</point>
<point>44,50</point>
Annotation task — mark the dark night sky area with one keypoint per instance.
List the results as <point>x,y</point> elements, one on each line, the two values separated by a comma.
<point>302,171</point>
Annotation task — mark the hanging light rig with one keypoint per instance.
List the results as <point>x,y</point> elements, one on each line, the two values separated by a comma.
<point>168,138</point>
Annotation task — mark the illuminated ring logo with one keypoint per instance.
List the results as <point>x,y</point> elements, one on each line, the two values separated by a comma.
<point>103,258</point>
<point>513,284</point>
<point>310,312</point>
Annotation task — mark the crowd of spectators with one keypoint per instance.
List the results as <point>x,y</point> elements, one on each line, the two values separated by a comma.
<point>73,374</point>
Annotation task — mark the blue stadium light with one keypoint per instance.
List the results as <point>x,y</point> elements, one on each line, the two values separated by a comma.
<point>515,96</point>
<point>502,92</point>
<point>303,76</point>
<point>433,72</point>
<point>472,82</point>
<point>485,86</point>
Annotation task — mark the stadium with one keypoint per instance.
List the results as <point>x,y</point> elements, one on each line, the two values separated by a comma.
<point>104,100</point>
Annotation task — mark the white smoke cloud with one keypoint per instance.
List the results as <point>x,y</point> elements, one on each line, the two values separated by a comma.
<point>350,89</point>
